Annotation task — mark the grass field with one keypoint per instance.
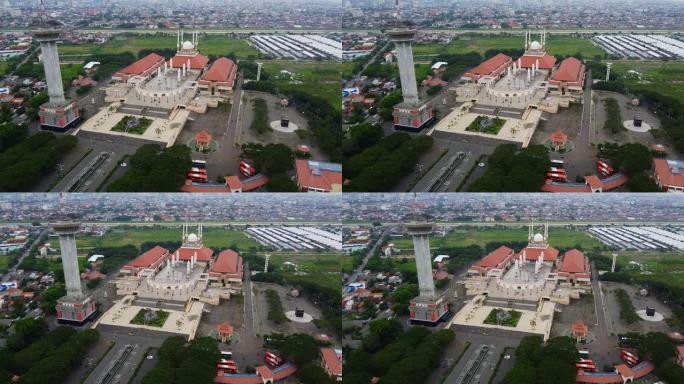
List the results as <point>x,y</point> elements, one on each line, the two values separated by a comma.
<point>321,268</point>
<point>556,45</point>
<point>4,261</point>
<point>3,67</point>
<point>653,75</point>
<point>208,45</point>
<point>213,238</point>
<point>667,267</point>
<point>347,69</point>
<point>347,263</point>
<point>558,237</point>
<point>321,79</point>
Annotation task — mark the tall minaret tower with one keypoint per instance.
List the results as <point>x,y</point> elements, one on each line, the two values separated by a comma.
<point>428,308</point>
<point>58,113</point>
<point>75,307</point>
<point>411,114</point>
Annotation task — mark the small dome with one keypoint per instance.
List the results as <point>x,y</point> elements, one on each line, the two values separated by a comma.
<point>535,45</point>
<point>538,238</point>
<point>192,238</point>
<point>188,45</point>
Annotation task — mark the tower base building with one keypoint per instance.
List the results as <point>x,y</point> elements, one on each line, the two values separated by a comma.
<point>426,311</point>
<point>75,311</point>
<point>413,118</point>
<point>59,117</point>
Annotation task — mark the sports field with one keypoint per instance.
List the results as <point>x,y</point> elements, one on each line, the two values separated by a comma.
<point>321,79</point>
<point>556,45</point>
<point>209,45</point>
<point>558,237</point>
<point>652,75</point>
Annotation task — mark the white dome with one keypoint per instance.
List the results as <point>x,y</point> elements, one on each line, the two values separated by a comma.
<point>192,238</point>
<point>535,45</point>
<point>537,238</point>
<point>188,45</point>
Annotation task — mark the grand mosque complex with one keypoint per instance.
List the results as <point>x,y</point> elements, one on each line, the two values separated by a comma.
<point>179,283</point>
<point>159,94</point>
<point>503,98</point>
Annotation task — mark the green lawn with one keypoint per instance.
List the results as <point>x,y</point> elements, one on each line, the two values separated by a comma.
<point>3,67</point>
<point>208,45</point>
<point>4,262</point>
<point>558,237</point>
<point>322,268</point>
<point>556,45</point>
<point>347,69</point>
<point>213,238</point>
<point>653,75</point>
<point>70,71</point>
<point>321,79</point>
<point>347,263</point>
<point>667,267</point>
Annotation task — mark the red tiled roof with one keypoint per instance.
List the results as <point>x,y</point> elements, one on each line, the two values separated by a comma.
<point>574,261</point>
<point>254,182</point>
<point>228,261</point>
<point>545,62</point>
<point>196,62</point>
<point>579,326</point>
<point>264,372</point>
<point>225,328</point>
<point>233,182</point>
<point>203,254</point>
<point>332,361</point>
<point>624,370</point>
<point>203,136</point>
<point>532,254</point>
<point>666,175</point>
<point>569,70</point>
<point>680,350</point>
<point>489,66</point>
<point>279,373</point>
<point>559,136</point>
<point>317,175</point>
<point>142,65</point>
<point>593,181</point>
<point>222,70</point>
<point>495,257</point>
<point>148,258</point>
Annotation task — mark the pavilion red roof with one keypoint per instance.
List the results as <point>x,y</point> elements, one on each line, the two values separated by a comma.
<point>490,65</point>
<point>142,65</point>
<point>225,328</point>
<point>203,136</point>
<point>574,261</point>
<point>579,326</point>
<point>558,136</point>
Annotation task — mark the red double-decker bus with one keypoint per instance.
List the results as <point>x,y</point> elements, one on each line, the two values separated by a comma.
<point>197,177</point>
<point>629,358</point>
<point>272,359</point>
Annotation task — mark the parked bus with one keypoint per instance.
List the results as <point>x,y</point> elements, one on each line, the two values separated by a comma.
<point>197,177</point>
<point>272,359</point>
<point>629,358</point>
<point>198,170</point>
<point>199,164</point>
<point>227,368</point>
<point>586,367</point>
<point>557,176</point>
<point>584,354</point>
<point>557,170</point>
<point>558,163</point>
<point>247,169</point>
<point>227,354</point>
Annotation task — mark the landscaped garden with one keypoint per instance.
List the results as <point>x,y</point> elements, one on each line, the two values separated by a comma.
<point>503,317</point>
<point>150,317</point>
<point>132,124</point>
<point>485,124</point>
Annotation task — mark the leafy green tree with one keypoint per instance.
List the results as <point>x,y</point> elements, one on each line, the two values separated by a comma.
<point>632,158</point>
<point>300,348</point>
<point>521,373</point>
<point>671,373</point>
<point>313,374</point>
<point>642,183</point>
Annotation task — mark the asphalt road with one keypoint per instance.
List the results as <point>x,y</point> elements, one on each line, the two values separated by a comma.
<point>359,269</point>
<point>585,130</point>
<point>497,340</point>
<point>26,252</point>
<point>604,348</point>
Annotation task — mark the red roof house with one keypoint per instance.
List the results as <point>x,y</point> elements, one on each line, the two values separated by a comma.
<point>152,259</point>
<point>144,67</point>
<point>492,67</point>
<point>220,78</point>
<point>318,176</point>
